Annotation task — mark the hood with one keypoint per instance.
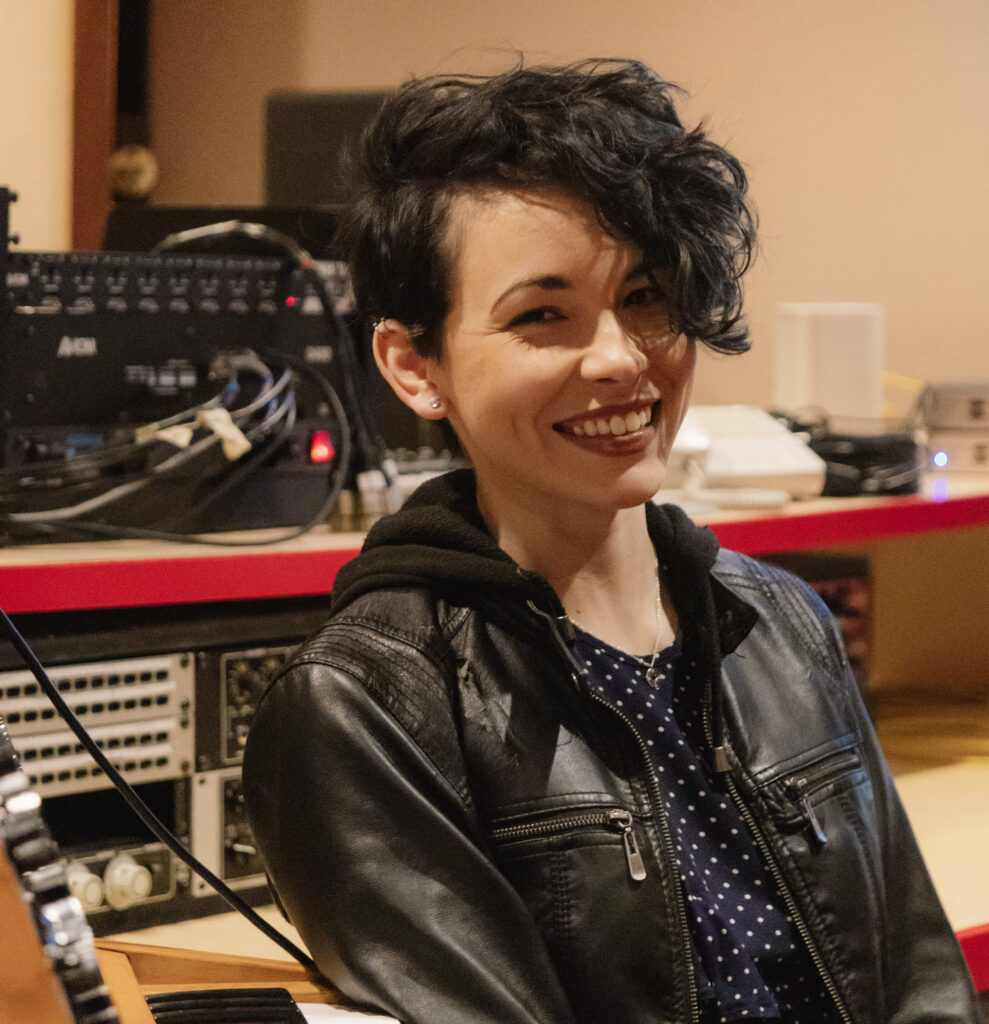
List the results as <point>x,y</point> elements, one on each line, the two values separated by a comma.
<point>439,540</point>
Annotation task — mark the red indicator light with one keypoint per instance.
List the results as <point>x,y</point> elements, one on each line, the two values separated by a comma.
<point>290,301</point>
<point>320,446</point>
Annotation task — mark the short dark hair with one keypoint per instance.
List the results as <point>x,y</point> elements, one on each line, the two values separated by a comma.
<point>604,130</point>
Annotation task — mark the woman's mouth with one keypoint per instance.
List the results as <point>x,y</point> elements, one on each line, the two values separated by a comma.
<point>608,424</point>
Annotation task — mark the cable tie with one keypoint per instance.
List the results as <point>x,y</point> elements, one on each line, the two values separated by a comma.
<point>231,436</point>
<point>179,435</point>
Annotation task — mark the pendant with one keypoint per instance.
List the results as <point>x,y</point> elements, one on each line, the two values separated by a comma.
<point>652,677</point>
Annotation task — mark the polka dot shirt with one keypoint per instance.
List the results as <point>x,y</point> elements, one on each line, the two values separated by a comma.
<point>750,960</point>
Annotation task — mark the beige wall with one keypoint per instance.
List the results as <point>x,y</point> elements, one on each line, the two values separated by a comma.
<point>36,118</point>
<point>862,123</point>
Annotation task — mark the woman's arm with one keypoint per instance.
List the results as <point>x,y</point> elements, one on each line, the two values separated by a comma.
<point>370,850</point>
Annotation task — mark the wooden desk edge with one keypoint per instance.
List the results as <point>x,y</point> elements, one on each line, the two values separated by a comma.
<point>132,967</point>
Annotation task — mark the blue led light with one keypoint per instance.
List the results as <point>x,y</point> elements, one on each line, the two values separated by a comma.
<point>941,459</point>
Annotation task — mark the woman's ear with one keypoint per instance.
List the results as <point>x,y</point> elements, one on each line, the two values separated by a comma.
<point>407,372</point>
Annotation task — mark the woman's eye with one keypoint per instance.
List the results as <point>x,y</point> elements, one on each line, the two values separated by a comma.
<point>643,296</point>
<point>541,315</point>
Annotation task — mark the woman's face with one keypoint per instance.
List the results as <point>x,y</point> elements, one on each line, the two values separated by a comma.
<point>560,372</point>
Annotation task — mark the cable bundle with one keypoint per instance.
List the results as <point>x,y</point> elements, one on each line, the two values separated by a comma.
<point>125,485</point>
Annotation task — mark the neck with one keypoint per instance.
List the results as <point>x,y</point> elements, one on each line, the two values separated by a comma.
<point>602,567</point>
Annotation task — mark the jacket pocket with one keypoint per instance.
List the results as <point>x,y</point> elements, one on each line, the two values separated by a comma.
<point>571,826</point>
<point>581,874</point>
<point>798,792</point>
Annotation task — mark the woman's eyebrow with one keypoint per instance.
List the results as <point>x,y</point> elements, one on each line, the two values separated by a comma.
<point>556,282</point>
<point>548,282</point>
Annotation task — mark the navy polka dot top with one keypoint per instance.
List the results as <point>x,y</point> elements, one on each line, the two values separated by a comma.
<point>750,959</point>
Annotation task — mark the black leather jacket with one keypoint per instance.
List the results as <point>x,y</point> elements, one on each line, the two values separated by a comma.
<point>447,813</point>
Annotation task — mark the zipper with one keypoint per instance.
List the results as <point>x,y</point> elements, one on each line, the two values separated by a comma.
<point>669,850</point>
<point>557,624</point>
<point>770,859</point>
<point>801,786</point>
<point>616,819</point>
<point>827,769</point>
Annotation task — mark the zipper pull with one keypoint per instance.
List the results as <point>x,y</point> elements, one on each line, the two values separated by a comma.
<point>799,787</point>
<point>636,867</point>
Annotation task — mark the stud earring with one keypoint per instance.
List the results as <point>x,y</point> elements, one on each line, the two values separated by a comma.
<point>435,403</point>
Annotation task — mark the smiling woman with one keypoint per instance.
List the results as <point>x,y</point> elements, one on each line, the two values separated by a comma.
<point>555,757</point>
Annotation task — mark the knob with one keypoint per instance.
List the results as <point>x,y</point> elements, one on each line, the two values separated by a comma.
<point>126,881</point>
<point>84,885</point>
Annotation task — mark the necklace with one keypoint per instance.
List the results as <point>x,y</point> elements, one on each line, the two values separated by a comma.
<point>652,672</point>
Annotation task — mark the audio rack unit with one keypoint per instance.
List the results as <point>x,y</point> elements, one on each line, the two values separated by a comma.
<point>172,720</point>
<point>121,372</point>
<point>95,345</point>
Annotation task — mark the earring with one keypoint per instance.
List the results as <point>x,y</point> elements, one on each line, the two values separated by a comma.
<point>435,403</point>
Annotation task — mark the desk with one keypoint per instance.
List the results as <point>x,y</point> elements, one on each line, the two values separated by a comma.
<point>928,558</point>
<point>944,503</point>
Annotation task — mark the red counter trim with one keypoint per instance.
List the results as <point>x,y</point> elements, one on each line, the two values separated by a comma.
<point>117,584</point>
<point>259,573</point>
<point>891,517</point>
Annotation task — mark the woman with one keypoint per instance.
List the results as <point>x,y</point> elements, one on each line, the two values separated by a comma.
<point>555,757</point>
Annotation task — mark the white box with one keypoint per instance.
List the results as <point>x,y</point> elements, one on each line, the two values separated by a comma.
<point>830,358</point>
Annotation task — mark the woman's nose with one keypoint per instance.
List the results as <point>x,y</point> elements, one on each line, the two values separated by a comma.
<point>613,354</point>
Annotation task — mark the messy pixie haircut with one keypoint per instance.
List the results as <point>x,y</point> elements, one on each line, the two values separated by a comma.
<point>604,131</point>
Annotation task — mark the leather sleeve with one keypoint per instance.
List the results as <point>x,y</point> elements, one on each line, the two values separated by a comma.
<point>370,850</point>
<point>927,979</point>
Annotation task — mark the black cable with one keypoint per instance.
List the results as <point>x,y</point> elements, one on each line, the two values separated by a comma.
<point>267,397</point>
<point>339,469</point>
<point>147,816</point>
<point>245,467</point>
<point>342,460</point>
<point>372,447</point>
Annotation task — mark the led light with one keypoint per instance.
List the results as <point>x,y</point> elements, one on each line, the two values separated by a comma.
<point>941,459</point>
<point>320,446</point>
<point>290,301</point>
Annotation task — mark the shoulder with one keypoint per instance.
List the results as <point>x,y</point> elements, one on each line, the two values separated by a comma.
<point>782,600</point>
<point>392,643</point>
<point>754,579</point>
<point>395,622</point>
<point>386,659</point>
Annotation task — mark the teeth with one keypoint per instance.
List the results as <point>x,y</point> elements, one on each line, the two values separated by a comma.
<point>615,426</point>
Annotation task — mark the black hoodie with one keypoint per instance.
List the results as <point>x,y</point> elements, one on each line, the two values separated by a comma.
<point>439,540</point>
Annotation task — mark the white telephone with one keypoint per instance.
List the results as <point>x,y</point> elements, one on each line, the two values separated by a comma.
<point>741,456</point>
